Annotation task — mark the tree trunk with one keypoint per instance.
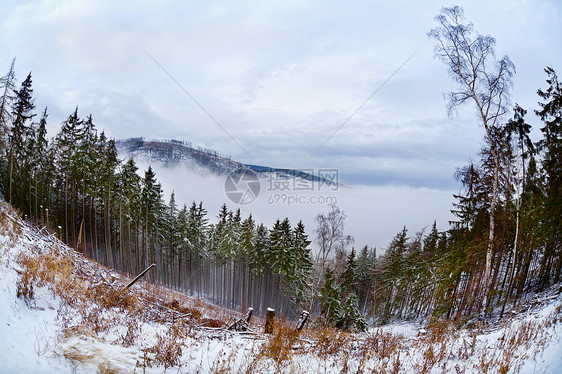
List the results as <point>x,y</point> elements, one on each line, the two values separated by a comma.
<point>491,232</point>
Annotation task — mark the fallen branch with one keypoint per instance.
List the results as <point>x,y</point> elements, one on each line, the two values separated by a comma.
<point>138,277</point>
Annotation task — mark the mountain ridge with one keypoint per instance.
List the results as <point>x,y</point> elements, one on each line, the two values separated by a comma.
<point>178,152</point>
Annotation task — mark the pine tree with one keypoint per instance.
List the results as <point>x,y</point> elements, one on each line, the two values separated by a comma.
<point>350,318</point>
<point>151,205</point>
<point>260,268</point>
<point>329,299</point>
<point>130,212</point>
<point>390,284</point>
<point>247,242</point>
<point>516,133</point>
<point>350,277</point>
<point>551,146</point>
<point>40,162</point>
<point>258,256</point>
<point>22,112</point>
<point>280,248</point>
<point>302,264</point>
<point>169,227</point>
<point>247,237</point>
<point>108,182</point>
<point>8,91</point>
<point>66,142</point>
<point>197,241</point>
<point>366,263</point>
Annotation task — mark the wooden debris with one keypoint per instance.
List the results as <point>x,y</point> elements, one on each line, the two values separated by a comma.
<point>242,324</point>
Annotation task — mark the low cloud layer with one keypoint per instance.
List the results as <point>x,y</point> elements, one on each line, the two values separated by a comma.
<point>374,213</point>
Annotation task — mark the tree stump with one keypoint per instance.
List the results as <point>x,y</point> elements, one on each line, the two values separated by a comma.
<point>302,320</point>
<point>269,321</point>
<point>249,315</point>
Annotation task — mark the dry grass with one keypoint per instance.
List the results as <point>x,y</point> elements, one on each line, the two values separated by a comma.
<point>91,307</point>
<point>107,368</point>
<point>224,363</point>
<point>279,347</point>
<point>76,356</point>
<point>168,348</point>
<point>10,227</point>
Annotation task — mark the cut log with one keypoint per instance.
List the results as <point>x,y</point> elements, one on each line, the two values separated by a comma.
<point>138,277</point>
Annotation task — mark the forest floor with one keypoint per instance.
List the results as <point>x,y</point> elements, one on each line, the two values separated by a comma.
<point>62,312</point>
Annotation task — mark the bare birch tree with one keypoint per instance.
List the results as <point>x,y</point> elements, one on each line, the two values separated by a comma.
<point>330,238</point>
<point>481,79</point>
<point>330,234</point>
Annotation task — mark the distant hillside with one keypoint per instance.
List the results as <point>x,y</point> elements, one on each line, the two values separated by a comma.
<point>174,153</point>
<point>204,161</point>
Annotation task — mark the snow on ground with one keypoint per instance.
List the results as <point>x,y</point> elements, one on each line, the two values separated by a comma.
<point>49,333</point>
<point>27,333</point>
<point>548,360</point>
<point>405,329</point>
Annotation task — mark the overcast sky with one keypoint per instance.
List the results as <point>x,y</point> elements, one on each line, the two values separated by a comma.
<point>276,82</point>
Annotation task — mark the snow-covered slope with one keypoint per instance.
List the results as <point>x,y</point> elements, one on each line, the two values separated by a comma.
<point>63,313</point>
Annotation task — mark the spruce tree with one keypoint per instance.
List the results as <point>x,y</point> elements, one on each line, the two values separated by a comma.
<point>22,113</point>
<point>551,145</point>
<point>329,299</point>
<point>8,92</point>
